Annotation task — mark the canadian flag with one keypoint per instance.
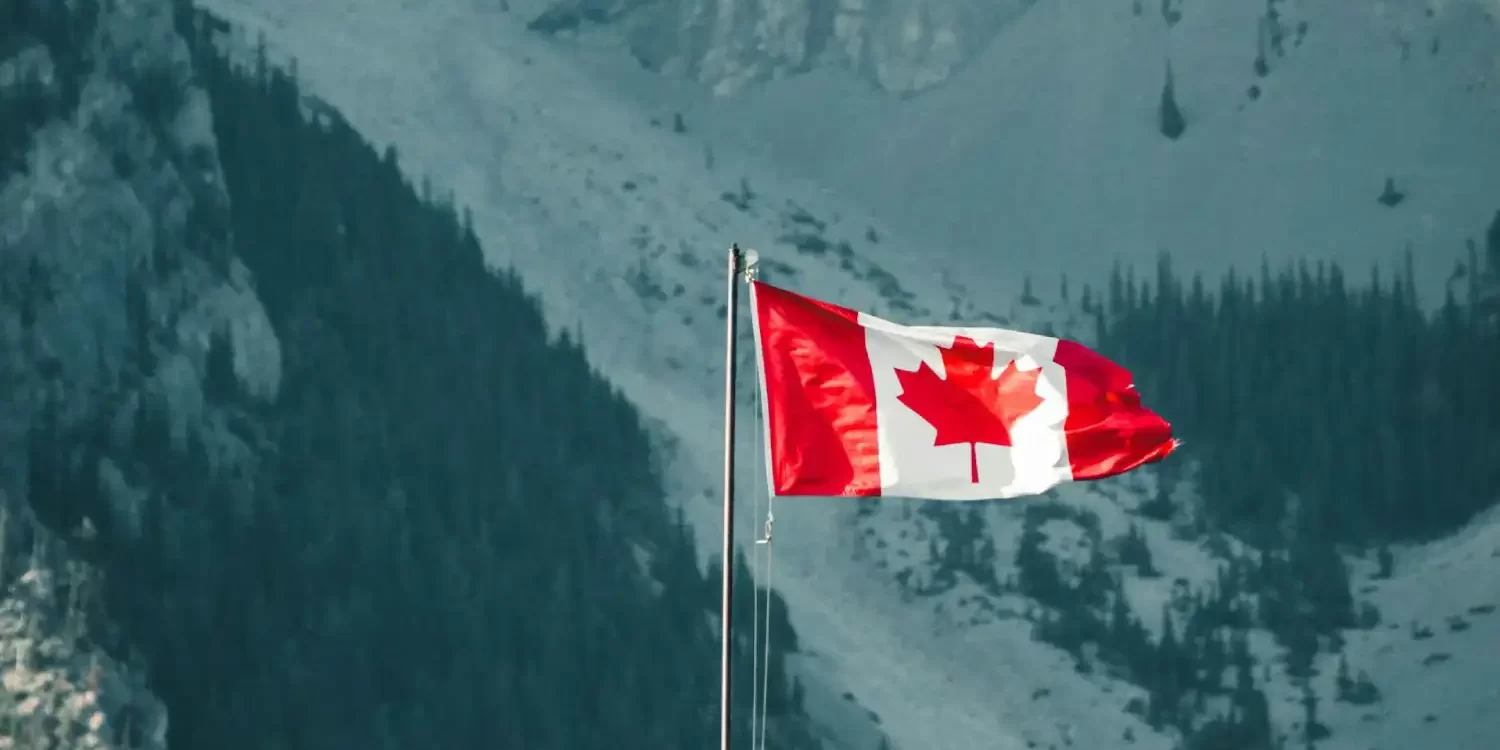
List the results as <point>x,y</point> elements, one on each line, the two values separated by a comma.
<point>858,406</point>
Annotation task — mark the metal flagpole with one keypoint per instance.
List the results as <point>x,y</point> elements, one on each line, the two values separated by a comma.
<point>727,558</point>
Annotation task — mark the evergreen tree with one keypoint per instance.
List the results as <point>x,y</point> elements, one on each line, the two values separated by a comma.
<point>1136,552</point>
<point>1312,729</point>
<point>1038,577</point>
<point>220,383</point>
<point>1386,562</point>
<point>1342,683</point>
<point>1171,123</point>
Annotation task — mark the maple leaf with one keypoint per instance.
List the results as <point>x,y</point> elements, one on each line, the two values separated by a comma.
<point>970,405</point>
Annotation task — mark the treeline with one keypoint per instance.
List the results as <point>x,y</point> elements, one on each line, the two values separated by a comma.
<point>454,535</point>
<point>1321,415</point>
<point>1316,408</point>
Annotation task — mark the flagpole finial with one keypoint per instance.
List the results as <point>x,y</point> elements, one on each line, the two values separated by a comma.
<point>743,262</point>
<point>749,260</point>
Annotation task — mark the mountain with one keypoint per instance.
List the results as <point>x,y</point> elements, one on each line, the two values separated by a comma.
<point>99,178</point>
<point>1099,616</point>
<point>610,150</point>
<point>286,466</point>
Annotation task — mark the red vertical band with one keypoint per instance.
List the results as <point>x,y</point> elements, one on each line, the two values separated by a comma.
<point>819,396</point>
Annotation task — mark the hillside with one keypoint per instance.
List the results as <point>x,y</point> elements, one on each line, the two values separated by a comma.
<point>581,175</point>
<point>286,465</point>
<point>1046,152</point>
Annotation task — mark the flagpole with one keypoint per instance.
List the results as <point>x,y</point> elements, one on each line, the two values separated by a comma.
<point>727,556</point>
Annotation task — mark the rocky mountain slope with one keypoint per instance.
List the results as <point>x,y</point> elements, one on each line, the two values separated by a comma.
<point>615,186</point>
<point>901,46</point>
<point>248,501</point>
<point>113,251</point>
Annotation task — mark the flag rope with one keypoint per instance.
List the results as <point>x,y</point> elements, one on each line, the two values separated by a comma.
<point>760,671</point>
<point>755,726</point>
<point>765,674</point>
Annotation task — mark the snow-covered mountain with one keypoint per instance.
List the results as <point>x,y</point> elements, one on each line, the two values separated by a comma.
<point>1043,155</point>
<point>614,189</point>
<point>901,46</point>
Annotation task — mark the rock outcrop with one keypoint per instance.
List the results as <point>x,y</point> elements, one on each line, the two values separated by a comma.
<point>116,279</point>
<point>902,46</point>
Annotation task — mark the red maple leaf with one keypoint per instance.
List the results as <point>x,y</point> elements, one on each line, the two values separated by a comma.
<point>970,405</point>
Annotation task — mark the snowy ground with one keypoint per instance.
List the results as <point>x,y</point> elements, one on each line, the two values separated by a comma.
<point>1431,656</point>
<point>1434,658</point>
<point>1044,154</point>
<point>566,153</point>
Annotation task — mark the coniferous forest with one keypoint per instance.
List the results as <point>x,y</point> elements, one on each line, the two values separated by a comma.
<point>1339,409</point>
<point>455,537</point>
<point>1324,418</point>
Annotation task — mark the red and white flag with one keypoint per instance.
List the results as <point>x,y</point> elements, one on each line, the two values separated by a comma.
<point>857,406</point>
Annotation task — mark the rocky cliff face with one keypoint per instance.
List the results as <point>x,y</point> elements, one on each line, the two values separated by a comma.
<point>115,278</point>
<point>902,46</point>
